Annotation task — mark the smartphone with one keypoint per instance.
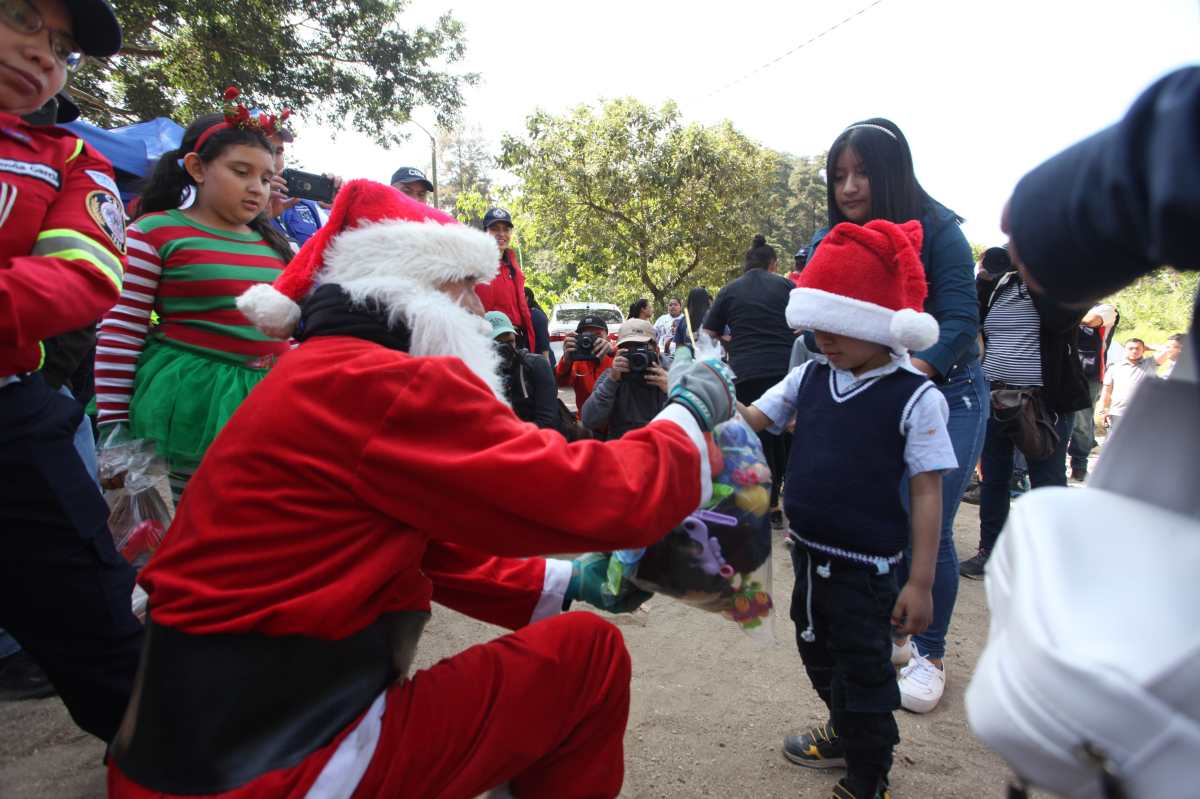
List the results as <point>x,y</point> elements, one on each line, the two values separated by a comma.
<point>308,186</point>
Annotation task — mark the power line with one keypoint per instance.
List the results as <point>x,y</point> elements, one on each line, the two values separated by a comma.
<point>800,46</point>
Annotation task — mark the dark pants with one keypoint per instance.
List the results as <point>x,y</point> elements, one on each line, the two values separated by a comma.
<point>775,448</point>
<point>849,660</point>
<point>64,589</point>
<point>1083,434</point>
<point>997,467</point>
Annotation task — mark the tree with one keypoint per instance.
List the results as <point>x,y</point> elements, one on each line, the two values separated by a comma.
<point>632,201</point>
<point>797,206</point>
<point>340,62</point>
<point>466,165</point>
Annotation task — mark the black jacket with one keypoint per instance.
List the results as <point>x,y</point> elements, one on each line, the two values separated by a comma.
<point>1065,386</point>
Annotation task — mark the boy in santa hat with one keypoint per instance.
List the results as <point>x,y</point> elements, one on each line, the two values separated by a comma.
<point>372,471</point>
<point>866,419</point>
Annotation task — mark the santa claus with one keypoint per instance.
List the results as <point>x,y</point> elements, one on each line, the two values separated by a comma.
<point>372,472</point>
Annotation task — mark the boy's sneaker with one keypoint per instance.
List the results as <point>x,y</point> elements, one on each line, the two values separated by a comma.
<point>817,748</point>
<point>843,791</point>
<point>921,684</point>
<point>1079,475</point>
<point>901,653</point>
<point>971,495</point>
<point>972,568</point>
<point>1019,484</point>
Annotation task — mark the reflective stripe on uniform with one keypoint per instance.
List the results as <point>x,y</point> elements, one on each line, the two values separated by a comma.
<point>73,245</point>
<point>78,150</point>
<point>41,356</point>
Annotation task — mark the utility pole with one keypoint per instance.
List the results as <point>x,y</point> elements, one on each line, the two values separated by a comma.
<point>432,156</point>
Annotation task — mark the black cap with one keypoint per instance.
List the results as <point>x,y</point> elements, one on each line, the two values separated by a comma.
<point>495,215</point>
<point>95,27</point>
<point>996,261</point>
<point>591,321</point>
<point>410,174</point>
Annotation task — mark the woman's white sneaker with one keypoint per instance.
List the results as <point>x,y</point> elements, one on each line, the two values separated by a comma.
<point>921,684</point>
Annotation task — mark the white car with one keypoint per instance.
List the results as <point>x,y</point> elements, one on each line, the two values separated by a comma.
<point>564,318</point>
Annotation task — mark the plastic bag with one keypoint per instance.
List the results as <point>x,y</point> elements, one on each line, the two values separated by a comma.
<point>139,516</point>
<point>719,558</point>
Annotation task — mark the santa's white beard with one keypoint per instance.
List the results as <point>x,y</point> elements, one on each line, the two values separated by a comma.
<point>437,325</point>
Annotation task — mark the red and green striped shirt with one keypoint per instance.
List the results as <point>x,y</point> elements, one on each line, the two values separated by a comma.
<point>191,276</point>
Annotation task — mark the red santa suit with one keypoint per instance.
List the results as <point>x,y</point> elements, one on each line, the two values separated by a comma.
<point>361,480</point>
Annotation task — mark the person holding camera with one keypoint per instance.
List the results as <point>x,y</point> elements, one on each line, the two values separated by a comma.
<point>528,382</point>
<point>587,354</point>
<point>634,390</point>
<point>412,181</point>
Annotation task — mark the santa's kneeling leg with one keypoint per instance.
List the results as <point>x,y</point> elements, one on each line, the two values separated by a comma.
<point>543,710</point>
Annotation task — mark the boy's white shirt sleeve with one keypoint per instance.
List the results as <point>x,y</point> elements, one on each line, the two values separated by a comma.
<point>927,445</point>
<point>778,402</point>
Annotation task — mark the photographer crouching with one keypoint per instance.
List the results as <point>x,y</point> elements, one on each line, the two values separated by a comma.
<point>630,393</point>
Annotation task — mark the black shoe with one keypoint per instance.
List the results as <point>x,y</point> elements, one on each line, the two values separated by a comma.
<point>843,791</point>
<point>777,519</point>
<point>22,678</point>
<point>1079,475</point>
<point>971,495</point>
<point>817,748</point>
<point>972,568</point>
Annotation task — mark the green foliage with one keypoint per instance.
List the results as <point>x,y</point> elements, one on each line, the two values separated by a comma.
<point>465,163</point>
<point>338,62</point>
<point>796,206</point>
<point>1157,305</point>
<point>629,201</point>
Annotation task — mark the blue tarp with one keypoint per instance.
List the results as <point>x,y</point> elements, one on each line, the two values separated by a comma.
<point>133,149</point>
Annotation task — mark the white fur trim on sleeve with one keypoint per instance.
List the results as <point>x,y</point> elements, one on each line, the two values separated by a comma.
<point>554,589</point>
<point>339,779</point>
<point>680,416</point>
<point>269,310</point>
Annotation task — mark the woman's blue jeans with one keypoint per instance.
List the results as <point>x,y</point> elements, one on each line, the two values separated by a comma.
<point>966,392</point>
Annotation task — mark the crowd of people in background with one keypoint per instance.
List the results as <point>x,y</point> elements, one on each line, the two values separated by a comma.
<point>1007,383</point>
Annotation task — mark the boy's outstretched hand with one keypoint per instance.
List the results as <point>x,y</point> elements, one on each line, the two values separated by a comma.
<point>913,610</point>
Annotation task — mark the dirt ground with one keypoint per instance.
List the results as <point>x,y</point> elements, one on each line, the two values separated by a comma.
<point>710,709</point>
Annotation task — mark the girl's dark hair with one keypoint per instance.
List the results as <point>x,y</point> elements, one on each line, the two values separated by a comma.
<point>698,301</point>
<point>164,189</point>
<point>760,255</point>
<point>637,307</point>
<point>896,195</point>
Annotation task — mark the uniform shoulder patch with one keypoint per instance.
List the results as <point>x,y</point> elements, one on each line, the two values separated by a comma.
<point>103,181</point>
<point>109,215</point>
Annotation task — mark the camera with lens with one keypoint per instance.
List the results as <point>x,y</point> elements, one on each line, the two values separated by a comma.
<point>585,347</point>
<point>641,357</point>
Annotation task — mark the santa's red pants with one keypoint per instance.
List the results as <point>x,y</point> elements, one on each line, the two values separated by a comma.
<point>543,709</point>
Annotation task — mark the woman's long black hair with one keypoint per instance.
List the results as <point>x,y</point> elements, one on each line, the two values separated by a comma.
<point>163,190</point>
<point>636,308</point>
<point>760,255</point>
<point>698,301</point>
<point>896,195</point>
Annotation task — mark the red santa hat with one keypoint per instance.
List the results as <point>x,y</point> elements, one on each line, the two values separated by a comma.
<point>866,282</point>
<point>377,242</point>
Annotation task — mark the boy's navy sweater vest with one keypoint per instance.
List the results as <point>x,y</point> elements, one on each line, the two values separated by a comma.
<point>844,473</point>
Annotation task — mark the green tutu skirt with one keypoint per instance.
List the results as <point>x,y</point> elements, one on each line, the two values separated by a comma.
<point>182,398</point>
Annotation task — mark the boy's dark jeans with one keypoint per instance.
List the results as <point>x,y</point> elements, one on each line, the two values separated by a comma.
<point>849,659</point>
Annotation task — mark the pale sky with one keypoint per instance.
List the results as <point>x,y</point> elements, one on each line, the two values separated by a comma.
<point>983,89</point>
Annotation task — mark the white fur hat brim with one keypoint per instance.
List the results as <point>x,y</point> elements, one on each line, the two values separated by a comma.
<point>426,253</point>
<point>905,329</point>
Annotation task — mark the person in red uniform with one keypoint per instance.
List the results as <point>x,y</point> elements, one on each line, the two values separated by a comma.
<point>505,292</point>
<point>372,472</point>
<point>581,373</point>
<point>64,590</point>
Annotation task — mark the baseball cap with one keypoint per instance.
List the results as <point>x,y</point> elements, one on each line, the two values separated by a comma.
<point>410,174</point>
<point>500,323</point>
<point>591,320</point>
<point>95,27</point>
<point>495,215</point>
<point>635,330</point>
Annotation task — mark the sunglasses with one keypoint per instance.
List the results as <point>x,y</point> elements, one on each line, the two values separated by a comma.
<point>23,17</point>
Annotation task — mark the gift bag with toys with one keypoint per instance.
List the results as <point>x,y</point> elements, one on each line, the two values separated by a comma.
<point>719,558</point>
<point>138,516</point>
